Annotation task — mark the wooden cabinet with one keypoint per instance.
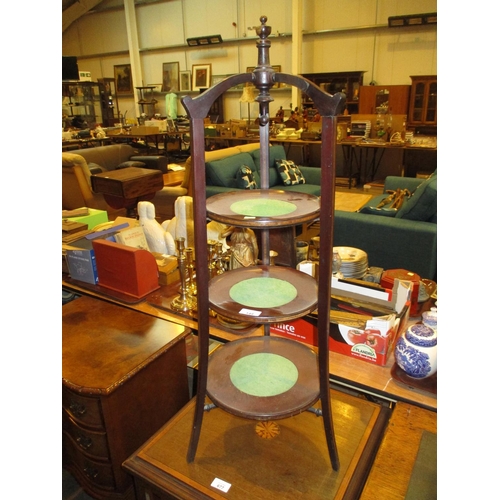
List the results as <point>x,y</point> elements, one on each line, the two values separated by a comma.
<point>348,82</point>
<point>124,376</point>
<point>423,101</point>
<point>109,102</point>
<point>392,98</point>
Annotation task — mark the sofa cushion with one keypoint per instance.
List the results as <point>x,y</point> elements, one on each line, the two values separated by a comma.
<point>373,210</point>
<point>422,205</point>
<point>275,153</point>
<point>223,172</point>
<point>125,164</point>
<point>245,178</point>
<point>290,173</point>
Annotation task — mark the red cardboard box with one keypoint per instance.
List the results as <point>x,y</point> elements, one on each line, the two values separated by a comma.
<point>373,344</point>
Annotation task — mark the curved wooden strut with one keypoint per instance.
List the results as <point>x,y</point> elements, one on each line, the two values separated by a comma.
<point>329,106</point>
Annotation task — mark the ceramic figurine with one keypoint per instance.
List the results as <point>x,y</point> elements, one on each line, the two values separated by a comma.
<point>155,234</point>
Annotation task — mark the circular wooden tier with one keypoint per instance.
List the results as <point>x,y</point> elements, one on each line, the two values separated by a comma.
<point>259,208</point>
<point>263,294</point>
<point>263,377</point>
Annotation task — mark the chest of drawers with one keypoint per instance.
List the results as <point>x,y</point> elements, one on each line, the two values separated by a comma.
<point>124,376</point>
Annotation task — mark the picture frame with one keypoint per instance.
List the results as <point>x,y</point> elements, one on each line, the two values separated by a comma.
<point>170,77</point>
<point>218,78</point>
<point>202,76</point>
<point>185,81</point>
<point>123,79</point>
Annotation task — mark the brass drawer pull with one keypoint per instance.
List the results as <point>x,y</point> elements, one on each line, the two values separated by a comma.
<point>77,409</point>
<point>91,472</point>
<point>84,441</point>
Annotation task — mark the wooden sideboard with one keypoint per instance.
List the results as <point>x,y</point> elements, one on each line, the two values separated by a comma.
<point>124,376</point>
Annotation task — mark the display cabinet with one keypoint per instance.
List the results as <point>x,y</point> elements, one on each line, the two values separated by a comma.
<point>109,102</point>
<point>347,82</point>
<point>81,102</point>
<point>423,101</point>
<point>240,376</point>
<point>375,99</point>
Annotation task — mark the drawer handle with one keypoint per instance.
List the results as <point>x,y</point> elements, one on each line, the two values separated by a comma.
<point>84,441</point>
<point>77,409</point>
<point>91,472</point>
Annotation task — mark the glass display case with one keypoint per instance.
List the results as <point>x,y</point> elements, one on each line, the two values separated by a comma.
<point>81,104</point>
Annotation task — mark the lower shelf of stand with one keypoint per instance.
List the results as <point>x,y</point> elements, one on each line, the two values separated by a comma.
<point>263,378</point>
<point>263,294</point>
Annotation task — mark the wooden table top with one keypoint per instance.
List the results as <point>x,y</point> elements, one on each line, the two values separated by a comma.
<point>345,371</point>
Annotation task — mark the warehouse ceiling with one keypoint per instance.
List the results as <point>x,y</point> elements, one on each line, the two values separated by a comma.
<point>74,9</point>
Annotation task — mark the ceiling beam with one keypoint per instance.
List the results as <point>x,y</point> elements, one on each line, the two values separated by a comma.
<point>75,11</point>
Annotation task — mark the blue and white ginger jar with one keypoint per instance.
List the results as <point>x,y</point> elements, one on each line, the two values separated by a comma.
<point>416,351</point>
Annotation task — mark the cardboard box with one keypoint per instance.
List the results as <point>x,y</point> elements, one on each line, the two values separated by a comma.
<point>373,343</point>
<point>94,218</point>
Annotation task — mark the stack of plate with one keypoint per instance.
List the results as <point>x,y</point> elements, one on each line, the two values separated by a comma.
<point>354,262</point>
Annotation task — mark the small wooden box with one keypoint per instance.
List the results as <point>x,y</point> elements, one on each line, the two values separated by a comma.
<point>129,183</point>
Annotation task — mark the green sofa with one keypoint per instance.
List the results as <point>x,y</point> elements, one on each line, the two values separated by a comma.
<point>403,239</point>
<point>222,168</point>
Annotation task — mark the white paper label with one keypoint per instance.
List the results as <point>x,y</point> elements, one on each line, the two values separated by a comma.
<point>221,485</point>
<point>250,312</point>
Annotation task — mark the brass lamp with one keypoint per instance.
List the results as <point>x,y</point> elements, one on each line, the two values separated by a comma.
<point>248,96</point>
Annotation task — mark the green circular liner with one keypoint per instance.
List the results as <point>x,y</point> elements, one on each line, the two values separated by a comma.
<point>263,292</point>
<point>263,374</point>
<point>259,207</point>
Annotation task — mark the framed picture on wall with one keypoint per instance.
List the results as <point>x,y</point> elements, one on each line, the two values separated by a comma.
<point>123,79</point>
<point>170,80</point>
<point>185,81</point>
<point>202,76</point>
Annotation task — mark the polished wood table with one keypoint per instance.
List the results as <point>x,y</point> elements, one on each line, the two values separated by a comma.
<point>405,465</point>
<point>282,459</point>
<point>125,187</point>
<point>350,373</point>
<point>123,376</point>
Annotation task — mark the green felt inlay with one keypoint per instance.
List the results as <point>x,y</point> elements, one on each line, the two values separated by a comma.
<point>263,374</point>
<point>423,481</point>
<point>263,292</point>
<point>258,207</point>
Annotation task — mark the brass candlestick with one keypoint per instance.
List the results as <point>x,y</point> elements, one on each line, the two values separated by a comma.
<point>191,283</point>
<point>183,302</point>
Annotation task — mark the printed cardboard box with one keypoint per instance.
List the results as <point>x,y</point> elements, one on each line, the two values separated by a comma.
<point>374,343</point>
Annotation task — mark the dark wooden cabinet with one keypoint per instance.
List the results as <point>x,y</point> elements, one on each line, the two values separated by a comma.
<point>423,101</point>
<point>348,82</point>
<point>389,98</point>
<point>124,376</point>
<point>109,102</point>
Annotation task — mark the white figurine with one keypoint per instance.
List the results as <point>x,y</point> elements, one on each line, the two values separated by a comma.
<point>155,234</point>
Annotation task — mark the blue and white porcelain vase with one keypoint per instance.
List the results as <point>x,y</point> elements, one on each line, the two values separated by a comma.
<point>416,351</point>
